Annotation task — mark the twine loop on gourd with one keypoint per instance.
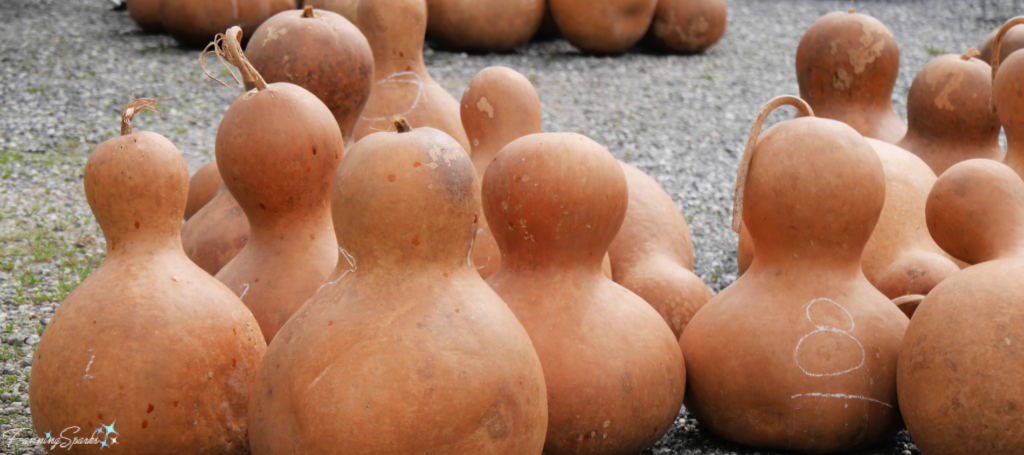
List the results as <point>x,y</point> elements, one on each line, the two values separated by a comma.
<point>996,44</point>
<point>748,152</point>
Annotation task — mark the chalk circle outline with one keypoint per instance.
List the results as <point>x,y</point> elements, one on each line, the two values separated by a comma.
<point>826,328</point>
<point>420,95</point>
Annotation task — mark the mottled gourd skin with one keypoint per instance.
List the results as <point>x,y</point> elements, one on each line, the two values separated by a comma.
<point>959,370</point>
<point>614,372</point>
<point>846,65</point>
<point>949,113</point>
<point>603,26</point>
<point>490,26</point>
<point>149,344</point>
<point>395,30</point>
<point>498,107</point>
<point>823,341</point>
<point>277,149</point>
<point>216,233</point>
<point>652,255</point>
<point>405,338</point>
<point>688,26</point>
<point>324,54</point>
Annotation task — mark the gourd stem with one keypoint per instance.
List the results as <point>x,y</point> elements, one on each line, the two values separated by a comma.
<point>748,152</point>
<point>307,12</point>
<point>908,300</point>
<point>136,106</point>
<point>228,49</point>
<point>996,44</point>
<point>401,124</point>
<point>971,53</point>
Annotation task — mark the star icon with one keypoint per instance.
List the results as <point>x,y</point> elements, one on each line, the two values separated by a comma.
<point>103,444</point>
<point>47,435</point>
<point>110,428</point>
<point>113,440</point>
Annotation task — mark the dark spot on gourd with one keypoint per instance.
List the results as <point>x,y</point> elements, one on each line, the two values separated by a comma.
<point>446,275</point>
<point>99,416</point>
<point>149,409</point>
<point>391,178</point>
<point>416,164</point>
<point>175,403</point>
<point>234,363</point>
<point>137,225</point>
<point>257,280</point>
<point>145,423</point>
<point>456,310</point>
<point>475,218</point>
<point>330,323</point>
<point>314,149</point>
<point>233,332</point>
<point>309,169</point>
<point>408,68</point>
<point>400,54</point>
<point>94,323</point>
<point>119,386</point>
<point>91,425</point>
<point>415,241</point>
<point>113,246</point>
<point>518,179</point>
<point>312,236</point>
<point>263,206</point>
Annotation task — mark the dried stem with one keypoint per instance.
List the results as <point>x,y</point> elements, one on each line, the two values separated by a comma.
<point>228,49</point>
<point>996,44</point>
<point>971,53</point>
<point>308,12</point>
<point>134,107</point>
<point>748,153</point>
<point>401,124</point>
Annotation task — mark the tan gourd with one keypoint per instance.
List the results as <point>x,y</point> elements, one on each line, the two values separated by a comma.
<point>195,23</point>
<point>1012,42</point>
<point>498,107</point>
<point>846,65</point>
<point>688,26</point>
<point>202,188</point>
<point>346,8</point>
<point>146,14</point>
<point>603,26</point>
<point>949,114</point>
<point>615,376</point>
<point>900,258</point>
<point>800,352</point>
<point>482,26</point>
<point>960,372</point>
<point>652,255</point>
<point>216,233</point>
<point>395,30</point>
<point>405,339</point>
<point>277,148</point>
<point>319,51</point>
<point>148,345</point>
<point>1008,97</point>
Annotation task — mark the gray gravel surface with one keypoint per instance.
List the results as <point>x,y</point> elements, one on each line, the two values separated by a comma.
<point>67,68</point>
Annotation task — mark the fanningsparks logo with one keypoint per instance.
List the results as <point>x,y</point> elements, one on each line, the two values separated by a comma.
<point>105,436</point>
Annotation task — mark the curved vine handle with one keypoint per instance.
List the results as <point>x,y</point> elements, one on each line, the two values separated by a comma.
<point>748,152</point>
<point>996,44</point>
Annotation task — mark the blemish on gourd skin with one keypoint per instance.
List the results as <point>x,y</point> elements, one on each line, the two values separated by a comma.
<point>870,49</point>
<point>942,99</point>
<point>483,106</point>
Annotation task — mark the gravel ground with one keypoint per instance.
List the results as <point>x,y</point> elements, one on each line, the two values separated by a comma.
<point>67,68</point>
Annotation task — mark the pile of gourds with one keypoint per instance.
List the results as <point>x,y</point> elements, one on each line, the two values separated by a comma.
<point>593,26</point>
<point>394,271</point>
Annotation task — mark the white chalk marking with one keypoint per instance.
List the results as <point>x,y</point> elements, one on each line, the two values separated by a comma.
<point>86,376</point>
<point>351,264</point>
<point>420,94</point>
<point>824,328</point>
<point>842,396</point>
<point>244,290</point>
<point>322,373</point>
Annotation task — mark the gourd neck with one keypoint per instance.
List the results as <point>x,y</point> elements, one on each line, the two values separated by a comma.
<point>127,246</point>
